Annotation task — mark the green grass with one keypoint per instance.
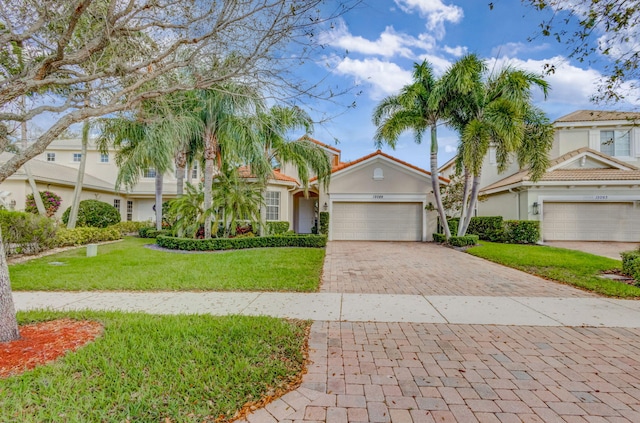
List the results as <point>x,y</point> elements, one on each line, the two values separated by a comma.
<point>148,368</point>
<point>128,265</point>
<point>568,266</point>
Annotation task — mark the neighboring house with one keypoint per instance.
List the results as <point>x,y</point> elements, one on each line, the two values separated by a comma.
<point>591,190</point>
<point>376,197</point>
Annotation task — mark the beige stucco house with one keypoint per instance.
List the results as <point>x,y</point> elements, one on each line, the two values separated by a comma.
<point>376,197</point>
<point>590,192</point>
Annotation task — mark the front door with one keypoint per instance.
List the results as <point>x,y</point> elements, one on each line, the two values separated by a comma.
<point>306,215</point>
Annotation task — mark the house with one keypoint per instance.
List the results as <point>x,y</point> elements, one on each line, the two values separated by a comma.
<point>376,197</point>
<point>591,190</point>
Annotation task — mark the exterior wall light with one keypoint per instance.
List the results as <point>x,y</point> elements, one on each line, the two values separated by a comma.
<point>536,208</point>
<point>325,206</point>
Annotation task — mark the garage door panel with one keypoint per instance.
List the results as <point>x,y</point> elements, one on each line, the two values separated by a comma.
<point>377,221</point>
<point>581,221</point>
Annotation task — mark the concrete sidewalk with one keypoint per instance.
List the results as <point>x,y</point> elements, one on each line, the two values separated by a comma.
<point>517,311</point>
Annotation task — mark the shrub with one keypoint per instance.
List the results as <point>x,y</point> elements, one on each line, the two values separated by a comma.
<point>488,228</point>
<point>324,223</point>
<point>275,228</point>
<point>127,228</point>
<point>453,225</point>
<point>463,241</point>
<point>521,231</point>
<point>152,232</point>
<point>94,214</point>
<point>50,199</point>
<point>26,233</point>
<point>441,238</point>
<point>188,244</point>
<point>85,235</point>
<point>631,264</point>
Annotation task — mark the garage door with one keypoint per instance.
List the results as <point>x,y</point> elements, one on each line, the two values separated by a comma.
<point>377,221</point>
<point>591,222</point>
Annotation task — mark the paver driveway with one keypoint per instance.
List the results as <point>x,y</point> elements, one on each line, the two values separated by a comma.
<point>417,372</point>
<point>427,269</point>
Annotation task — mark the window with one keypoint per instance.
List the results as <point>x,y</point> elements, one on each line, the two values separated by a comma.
<point>129,211</point>
<point>51,157</point>
<point>194,171</point>
<point>116,203</point>
<point>615,143</point>
<point>150,173</point>
<point>273,205</point>
<point>104,158</point>
<point>77,157</point>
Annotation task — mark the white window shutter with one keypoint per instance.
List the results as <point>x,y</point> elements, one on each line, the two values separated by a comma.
<point>594,139</point>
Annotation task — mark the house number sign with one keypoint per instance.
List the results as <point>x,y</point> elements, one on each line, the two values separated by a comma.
<point>378,197</point>
<point>600,197</point>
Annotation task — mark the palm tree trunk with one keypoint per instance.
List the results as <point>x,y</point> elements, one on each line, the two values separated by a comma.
<point>435,180</point>
<point>472,202</point>
<point>77,190</point>
<point>8,322</point>
<point>27,169</point>
<point>210,150</point>
<point>465,200</point>
<point>159,183</point>
<point>181,164</point>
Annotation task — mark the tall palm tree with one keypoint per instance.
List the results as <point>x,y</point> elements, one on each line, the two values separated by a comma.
<point>227,135</point>
<point>309,158</point>
<point>420,106</point>
<point>497,111</point>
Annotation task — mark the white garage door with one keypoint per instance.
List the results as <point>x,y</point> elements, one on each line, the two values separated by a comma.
<point>591,222</point>
<point>377,221</point>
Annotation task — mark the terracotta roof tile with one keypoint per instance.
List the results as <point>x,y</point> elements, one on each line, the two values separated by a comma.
<point>598,115</point>
<point>587,174</point>
<point>245,172</point>
<point>321,144</point>
<point>344,165</point>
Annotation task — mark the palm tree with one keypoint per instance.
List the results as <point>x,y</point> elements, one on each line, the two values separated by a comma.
<point>227,135</point>
<point>497,111</point>
<point>305,155</point>
<point>420,105</point>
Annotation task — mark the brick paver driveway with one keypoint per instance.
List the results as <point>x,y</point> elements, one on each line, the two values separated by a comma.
<point>416,372</point>
<point>427,269</point>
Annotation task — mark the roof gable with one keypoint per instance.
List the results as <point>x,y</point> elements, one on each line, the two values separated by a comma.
<point>598,116</point>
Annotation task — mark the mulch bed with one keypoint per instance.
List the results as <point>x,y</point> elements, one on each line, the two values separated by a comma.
<point>43,342</point>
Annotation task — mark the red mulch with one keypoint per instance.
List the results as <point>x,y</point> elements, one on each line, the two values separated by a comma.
<point>43,342</point>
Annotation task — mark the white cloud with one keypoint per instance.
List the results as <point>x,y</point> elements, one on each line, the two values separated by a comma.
<point>390,43</point>
<point>514,49</point>
<point>439,64</point>
<point>457,51</point>
<point>436,13</point>
<point>384,77</point>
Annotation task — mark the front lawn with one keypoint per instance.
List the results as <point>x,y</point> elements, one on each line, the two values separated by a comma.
<point>129,266</point>
<point>568,266</point>
<point>147,368</point>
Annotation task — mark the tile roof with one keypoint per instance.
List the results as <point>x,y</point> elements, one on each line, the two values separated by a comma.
<point>598,115</point>
<point>344,165</point>
<point>321,144</point>
<point>245,172</point>
<point>568,175</point>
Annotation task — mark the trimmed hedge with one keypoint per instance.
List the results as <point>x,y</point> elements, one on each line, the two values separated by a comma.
<point>440,238</point>
<point>129,227</point>
<point>463,241</point>
<point>324,223</point>
<point>275,228</point>
<point>189,244</point>
<point>94,213</point>
<point>631,265</point>
<point>488,228</point>
<point>152,232</point>
<point>81,236</point>
<point>453,225</point>
<point>26,233</point>
<point>521,231</point>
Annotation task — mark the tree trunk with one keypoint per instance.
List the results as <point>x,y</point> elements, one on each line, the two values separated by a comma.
<point>77,190</point>
<point>181,164</point>
<point>210,151</point>
<point>27,169</point>
<point>472,203</point>
<point>8,323</point>
<point>465,200</point>
<point>159,183</point>
<point>435,181</point>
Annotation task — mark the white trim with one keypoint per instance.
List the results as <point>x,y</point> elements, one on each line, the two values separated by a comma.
<point>407,169</point>
<point>595,157</point>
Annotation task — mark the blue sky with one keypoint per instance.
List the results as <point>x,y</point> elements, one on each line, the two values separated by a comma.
<point>385,37</point>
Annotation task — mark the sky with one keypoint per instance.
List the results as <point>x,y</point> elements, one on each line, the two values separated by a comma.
<point>372,50</point>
